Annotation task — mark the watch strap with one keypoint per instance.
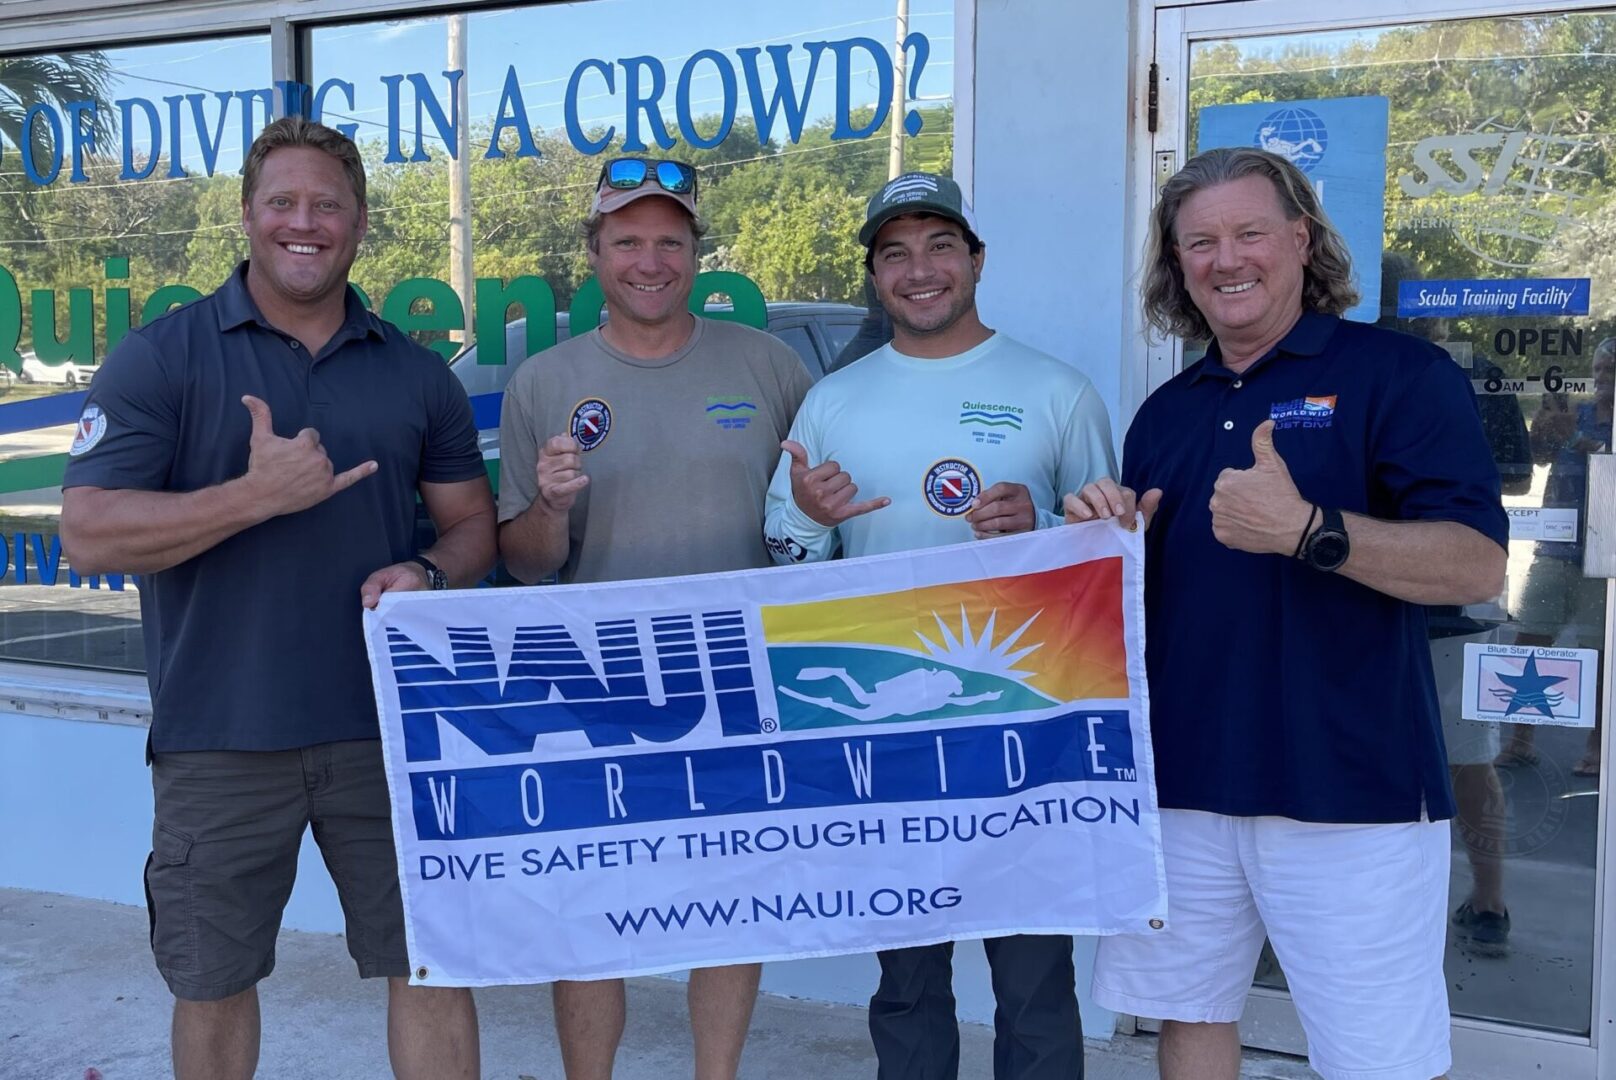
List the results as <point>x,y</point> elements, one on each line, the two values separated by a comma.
<point>435,577</point>
<point>1332,527</point>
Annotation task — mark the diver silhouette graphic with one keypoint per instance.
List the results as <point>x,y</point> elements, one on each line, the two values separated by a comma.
<point>910,694</point>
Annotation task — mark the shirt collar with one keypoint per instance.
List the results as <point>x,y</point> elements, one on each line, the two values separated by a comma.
<point>235,307</point>
<point>1307,338</point>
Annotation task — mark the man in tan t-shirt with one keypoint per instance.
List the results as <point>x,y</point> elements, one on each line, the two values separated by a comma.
<point>644,448</point>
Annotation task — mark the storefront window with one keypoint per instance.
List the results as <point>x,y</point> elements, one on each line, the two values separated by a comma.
<point>127,202</point>
<point>1468,165</point>
<point>115,170</point>
<point>787,112</point>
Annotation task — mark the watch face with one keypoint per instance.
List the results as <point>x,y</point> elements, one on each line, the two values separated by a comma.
<point>1328,550</point>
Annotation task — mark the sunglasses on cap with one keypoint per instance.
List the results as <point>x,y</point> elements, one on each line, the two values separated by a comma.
<point>628,173</point>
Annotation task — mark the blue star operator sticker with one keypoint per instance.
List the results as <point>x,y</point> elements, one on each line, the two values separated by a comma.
<point>1529,690</point>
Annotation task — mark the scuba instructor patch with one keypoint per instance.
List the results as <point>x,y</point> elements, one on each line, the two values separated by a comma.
<point>951,484</point>
<point>591,422</point>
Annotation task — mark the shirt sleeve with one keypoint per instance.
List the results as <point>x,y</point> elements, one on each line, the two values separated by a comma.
<point>791,535</point>
<point>518,450</point>
<point>451,453</point>
<point>1086,452</point>
<point>129,429</point>
<point>1431,457</point>
<point>797,387</point>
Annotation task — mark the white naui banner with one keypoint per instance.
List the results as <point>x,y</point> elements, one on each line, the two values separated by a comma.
<point>622,779</point>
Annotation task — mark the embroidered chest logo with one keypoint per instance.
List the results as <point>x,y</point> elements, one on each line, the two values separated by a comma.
<point>92,426</point>
<point>732,413</point>
<point>950,486</point>
<point>989,423</point>
<point>1305,412</point>
<point>591,423</point>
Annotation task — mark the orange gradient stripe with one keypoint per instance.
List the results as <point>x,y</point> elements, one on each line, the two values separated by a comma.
<point>1078,627</point>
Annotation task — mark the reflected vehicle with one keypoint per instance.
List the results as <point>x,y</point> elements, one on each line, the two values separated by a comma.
<point>817,331</point>
<point>68,373</point>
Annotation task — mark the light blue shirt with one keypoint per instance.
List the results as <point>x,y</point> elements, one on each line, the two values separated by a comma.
<point>933,434</point>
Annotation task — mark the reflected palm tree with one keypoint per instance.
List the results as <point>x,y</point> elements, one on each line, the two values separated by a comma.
<point>53,79</point>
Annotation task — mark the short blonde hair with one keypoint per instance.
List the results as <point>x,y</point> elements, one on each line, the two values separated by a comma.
<point>301,131</point>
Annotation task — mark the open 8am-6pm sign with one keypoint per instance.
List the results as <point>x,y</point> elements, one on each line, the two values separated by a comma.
<point>605,780</point>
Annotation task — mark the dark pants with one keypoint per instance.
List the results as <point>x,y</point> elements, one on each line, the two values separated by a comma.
<point>1036,1031</point>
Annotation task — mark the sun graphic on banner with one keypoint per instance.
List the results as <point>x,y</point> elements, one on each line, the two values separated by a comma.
<point>1034,639</point>
<point>978,652</point>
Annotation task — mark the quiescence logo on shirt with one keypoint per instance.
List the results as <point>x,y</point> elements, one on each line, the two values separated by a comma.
<point>990,423</point>
<point>732,413</point>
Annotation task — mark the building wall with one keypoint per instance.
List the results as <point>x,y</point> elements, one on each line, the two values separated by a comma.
<point>1049,167</point>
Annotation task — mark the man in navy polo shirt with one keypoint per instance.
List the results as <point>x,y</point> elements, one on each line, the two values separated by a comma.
<point>256,457</point>
<point>1308,486</point>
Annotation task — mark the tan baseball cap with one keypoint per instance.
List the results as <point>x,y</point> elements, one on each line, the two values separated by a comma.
<point>609,199</point>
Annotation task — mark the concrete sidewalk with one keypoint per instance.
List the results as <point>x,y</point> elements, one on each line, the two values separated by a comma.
<point>78,991</point>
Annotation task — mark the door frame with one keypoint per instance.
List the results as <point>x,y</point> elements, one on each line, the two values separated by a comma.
<point>1166,29</point>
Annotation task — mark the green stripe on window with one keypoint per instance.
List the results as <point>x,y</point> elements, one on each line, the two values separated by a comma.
<point>26,474</point>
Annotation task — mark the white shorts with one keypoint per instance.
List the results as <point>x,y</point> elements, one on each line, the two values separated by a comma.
<point>1469,742</point>
<point>1358,918</point>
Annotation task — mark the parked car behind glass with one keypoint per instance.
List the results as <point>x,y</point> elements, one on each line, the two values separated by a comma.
<point>817,332</point>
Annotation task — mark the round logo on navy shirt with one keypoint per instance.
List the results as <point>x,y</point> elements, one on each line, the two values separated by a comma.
<point>591,423</point>
<point>92,426</point>
<point>951,484</point>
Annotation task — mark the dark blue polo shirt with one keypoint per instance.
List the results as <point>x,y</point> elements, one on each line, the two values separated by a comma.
<point>1274,688</point>
<point>256,643</point>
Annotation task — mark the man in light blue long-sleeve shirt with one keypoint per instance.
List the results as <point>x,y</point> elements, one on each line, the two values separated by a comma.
<point>953,431</point>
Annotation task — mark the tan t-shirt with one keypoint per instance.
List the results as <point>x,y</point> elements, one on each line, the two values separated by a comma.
<point>679,451</point>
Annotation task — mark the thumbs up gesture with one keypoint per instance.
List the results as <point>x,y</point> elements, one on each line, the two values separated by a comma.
<point>1259,509</point>
<point>824,492</point>
<point>288,475</point>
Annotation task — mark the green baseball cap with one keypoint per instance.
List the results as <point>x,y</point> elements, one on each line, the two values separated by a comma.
<point>916,193</point>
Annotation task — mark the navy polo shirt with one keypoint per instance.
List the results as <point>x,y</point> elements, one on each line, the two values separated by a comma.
<point>256,643</point>
<point>1276,689</point>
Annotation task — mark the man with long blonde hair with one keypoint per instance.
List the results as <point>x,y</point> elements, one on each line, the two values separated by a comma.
<point>1308,486</point>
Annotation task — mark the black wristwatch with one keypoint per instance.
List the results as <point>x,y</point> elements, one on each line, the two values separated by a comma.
<point>435,578</point>
<point>1327,548</point>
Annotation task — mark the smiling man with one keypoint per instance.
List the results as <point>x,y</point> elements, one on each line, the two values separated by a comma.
<point>1310,485</point>
<point>955,432</point>
<point>256,457</point>
<point>643,449</point>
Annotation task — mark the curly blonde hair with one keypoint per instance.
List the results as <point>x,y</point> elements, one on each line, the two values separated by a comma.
<point>1326,279</point>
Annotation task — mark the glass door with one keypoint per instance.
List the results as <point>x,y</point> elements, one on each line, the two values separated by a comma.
<point>1471,164</point>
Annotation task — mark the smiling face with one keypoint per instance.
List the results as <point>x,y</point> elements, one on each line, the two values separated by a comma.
<point>645,260</point>
<point>925,276</point>
<point>1243,262</point>
<point>303,227</point>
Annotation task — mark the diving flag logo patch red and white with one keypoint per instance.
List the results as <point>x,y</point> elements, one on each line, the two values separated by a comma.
<point>91,427</point>
<point>950,486</point>
<point>591,423</point>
